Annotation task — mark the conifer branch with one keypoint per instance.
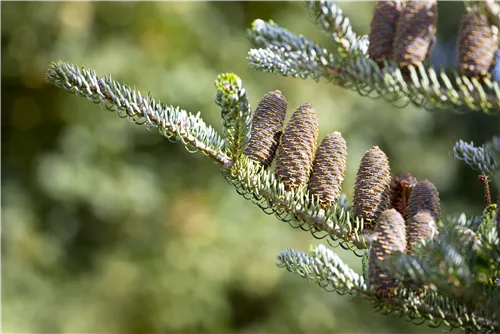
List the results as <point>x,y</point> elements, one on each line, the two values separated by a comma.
<point>296,206</point>
<point>324,267</point>
<point>329,18</point>
<point>461,264</point>
<point>265,34</point>
<point>480,158</point>
<point>249,178</point>
<point>172,122</point>
<point>421,85</point>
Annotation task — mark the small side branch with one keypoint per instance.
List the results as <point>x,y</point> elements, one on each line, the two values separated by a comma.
<point>172,122</point>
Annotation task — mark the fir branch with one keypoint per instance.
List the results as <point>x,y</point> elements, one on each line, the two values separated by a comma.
<point>422,86</point>
<point>236,113</point>
<point>436,309</point>
<point>478,158</point>
<point>461,264</point>
<point>265,34</point>
<point>268,192</point>
<point>172,122</point>
<point>328,17</point>
<point>325,268</point>
<point>248,177</point>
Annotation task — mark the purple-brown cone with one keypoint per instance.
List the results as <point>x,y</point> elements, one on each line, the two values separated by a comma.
<point>267,127</point>
<point>298,144</point>
<point>372,188</point>
<point>415,32</point>
<point>328,169</point>
<point>390,238</point>
<point>477,45</point>
<point>383,30</point>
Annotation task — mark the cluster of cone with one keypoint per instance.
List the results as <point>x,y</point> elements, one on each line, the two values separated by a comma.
<point>298,161</point>
<point>408,221</point>
<point>397,211</point>
<point>404,31</point>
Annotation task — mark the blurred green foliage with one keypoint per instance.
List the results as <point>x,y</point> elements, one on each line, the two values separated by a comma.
<point>108,227</point>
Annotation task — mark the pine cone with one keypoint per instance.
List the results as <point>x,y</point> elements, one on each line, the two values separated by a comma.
<point>424,197</point>
<point>267,127</point>
<point>401,187</point>
<point>390,237</point>
<point>477,45</point>
<point>296,151</point>
<point>383,30</point>
<point>372,188</point>
<point>328,169</point>
<point>415,32</point>
<point>421,226</point>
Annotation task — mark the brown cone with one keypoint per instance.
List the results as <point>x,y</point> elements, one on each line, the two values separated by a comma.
<point>425,196</point>
<point>328,169</point>
<point>372,188</point>
<point>477,45</point>
<point>421,226</point>
<point>390,238</point>
<point>267,127</point>
<point>415,32</point>
<point>383,29</point>
<point>401,187</point>
<point>296,151</point>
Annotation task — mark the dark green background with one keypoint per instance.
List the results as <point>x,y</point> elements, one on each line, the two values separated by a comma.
<point>108,227</point>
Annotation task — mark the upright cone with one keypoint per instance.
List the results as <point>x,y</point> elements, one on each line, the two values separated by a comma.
<point>296,151</point>
<point>383,30</point>
<point>421,226</point>
<point>328,169</point>
<point>372,188</point>
<point>415,32</point>
<point>267,127</point>
<point>390,237</point>
<point>401,187</point>
<point>425,196</point>
<point>477,44</point>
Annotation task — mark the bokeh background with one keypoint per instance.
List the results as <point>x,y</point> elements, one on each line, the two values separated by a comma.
<point>108,227</point>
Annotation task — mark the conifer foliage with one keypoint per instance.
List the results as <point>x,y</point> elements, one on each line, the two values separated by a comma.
<point>418,263</point>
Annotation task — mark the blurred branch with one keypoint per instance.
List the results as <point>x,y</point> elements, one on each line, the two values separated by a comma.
<point>480,158</point>
<point>171,122</point>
